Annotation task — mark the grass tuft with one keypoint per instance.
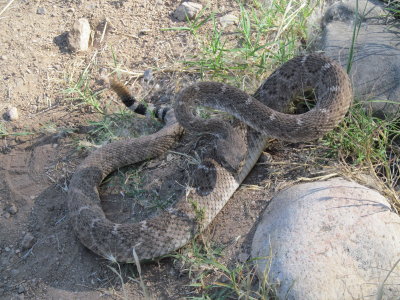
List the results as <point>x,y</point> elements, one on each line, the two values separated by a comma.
<point>81,91</point>
<point>265,37</point>
<point>365,141</point>
<point>4,132</point>
<point>214,279</point>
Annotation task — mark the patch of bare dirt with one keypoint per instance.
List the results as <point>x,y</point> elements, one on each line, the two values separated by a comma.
<point>35,66</point>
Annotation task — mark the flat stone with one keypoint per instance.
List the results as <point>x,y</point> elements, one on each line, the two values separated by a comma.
<point>79,36</point>
<point>329,240</point>
<point>187,10</point>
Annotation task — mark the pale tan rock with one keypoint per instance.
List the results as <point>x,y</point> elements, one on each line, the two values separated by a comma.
<point>227,20</point>
<point>79,36</point>
<point>12,114</point>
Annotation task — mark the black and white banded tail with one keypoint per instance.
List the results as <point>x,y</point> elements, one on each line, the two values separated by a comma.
<point>141,108</point>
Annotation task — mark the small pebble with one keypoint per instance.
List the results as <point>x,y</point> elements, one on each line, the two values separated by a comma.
<point>7,249</point>
<point>12,114</point>
<point>13,209</point>
<point>27,241</point>
<point>187,10</point>
<point>148,75</point>
<point>21,289</point>
<point>40,11</point>
<point>3,57</point>
<point>144,31</point>
<point>7,215</point>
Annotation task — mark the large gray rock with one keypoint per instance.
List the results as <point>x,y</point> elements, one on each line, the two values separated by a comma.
<point>375,71</point>
<point>329,240</point>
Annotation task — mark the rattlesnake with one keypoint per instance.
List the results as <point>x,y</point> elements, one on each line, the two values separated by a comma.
<point>240,148</point>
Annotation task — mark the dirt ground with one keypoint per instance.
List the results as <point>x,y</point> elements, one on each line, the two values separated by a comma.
<point>35,66</point>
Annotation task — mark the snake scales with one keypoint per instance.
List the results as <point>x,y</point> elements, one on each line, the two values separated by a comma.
<point>238,148</point>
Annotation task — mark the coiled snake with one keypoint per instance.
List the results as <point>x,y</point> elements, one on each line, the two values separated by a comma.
<point>238,150</point>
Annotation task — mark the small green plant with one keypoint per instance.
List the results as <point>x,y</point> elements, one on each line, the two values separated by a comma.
<point>265,37</point>
<point>130,182</point>
<point>394,7</point>
<point>215,280</point>
<point>120,124</point>
<point>81,90</point>
<point>365,140</point>
<point>4,132</point>
<point>121,277</point>
<point>199,211</point>
<point>193,25</point>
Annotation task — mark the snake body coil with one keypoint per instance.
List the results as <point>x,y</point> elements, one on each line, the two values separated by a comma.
<point>262,113</point>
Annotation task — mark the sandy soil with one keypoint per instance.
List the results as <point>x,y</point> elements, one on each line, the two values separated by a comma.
<point>35,67</point>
